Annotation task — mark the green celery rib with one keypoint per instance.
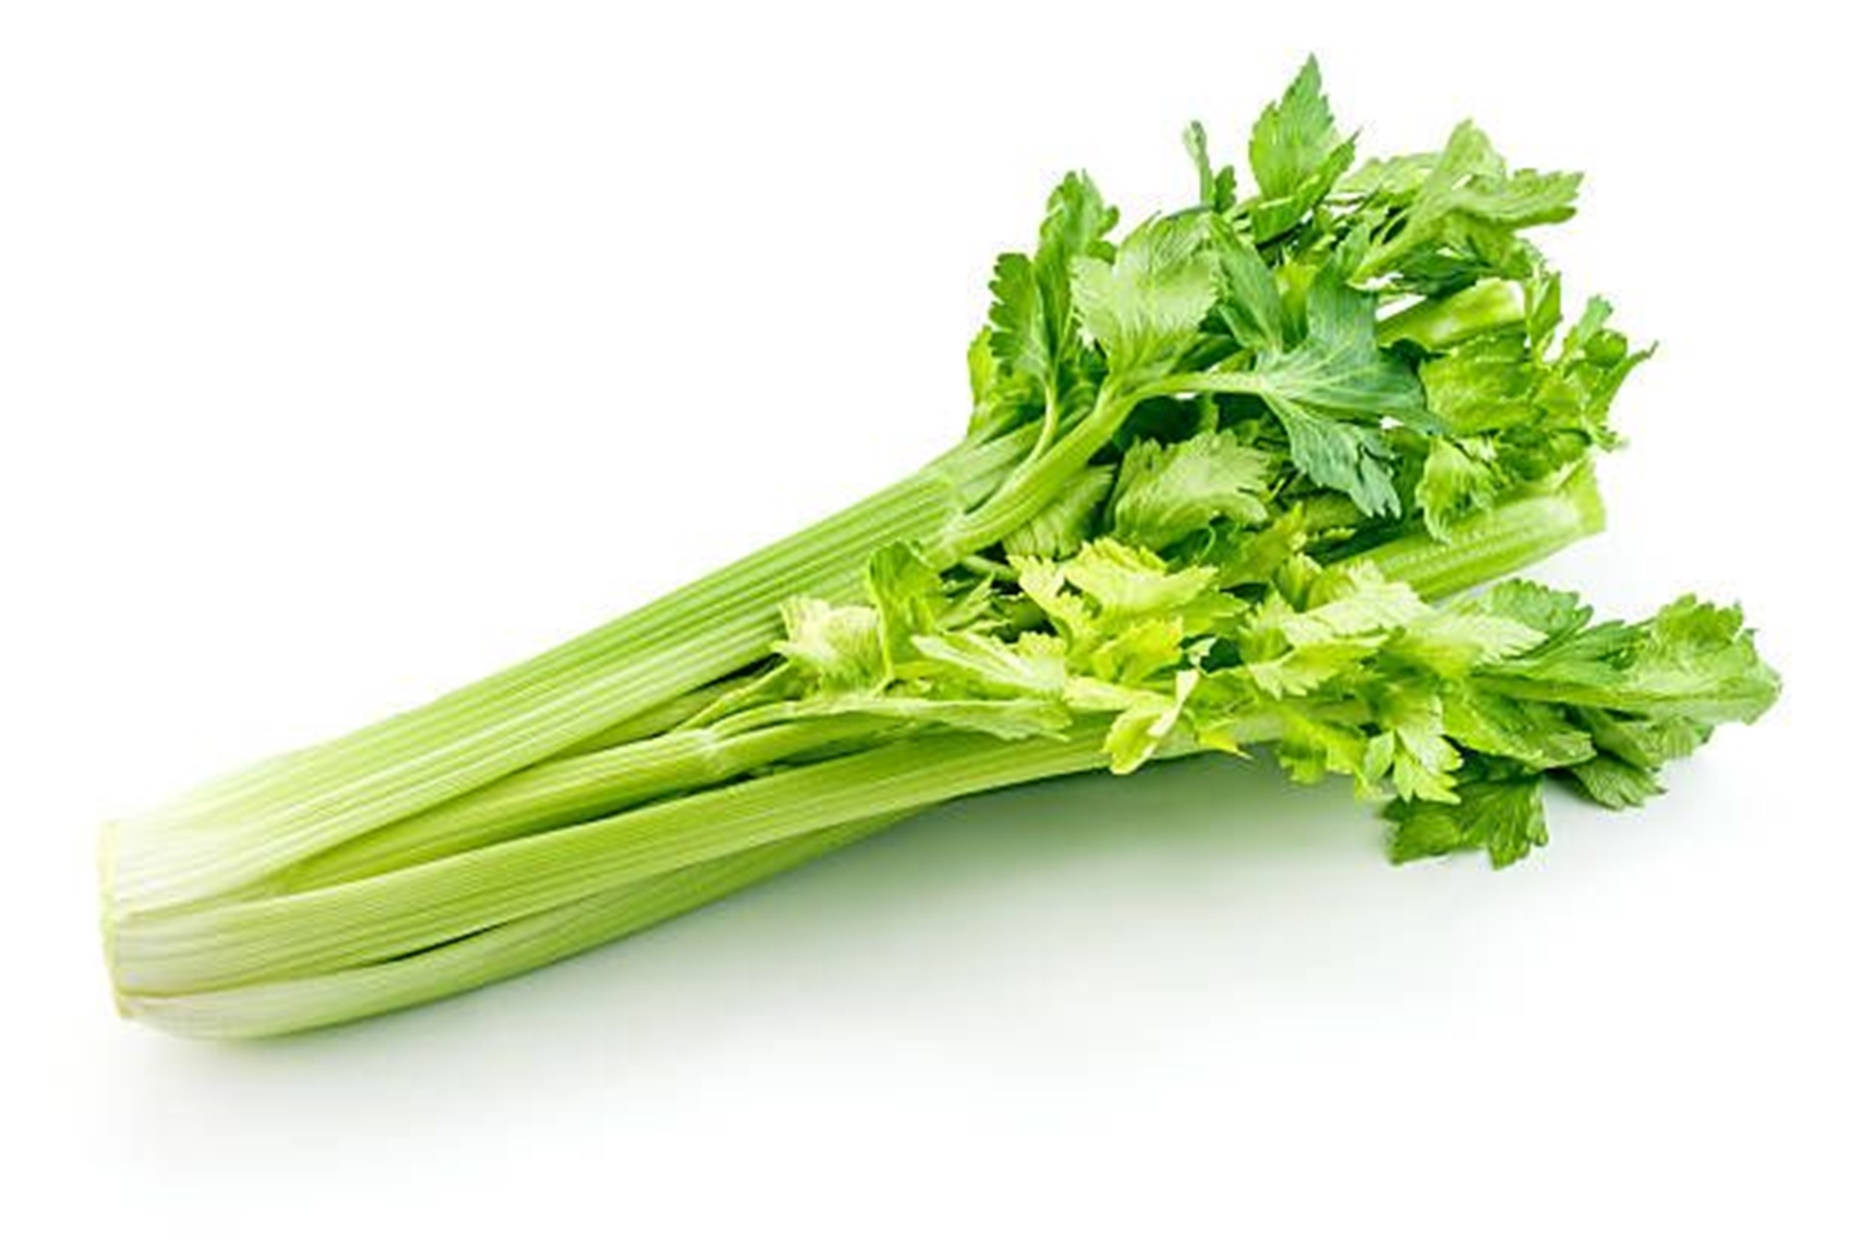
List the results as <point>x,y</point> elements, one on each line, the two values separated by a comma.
<point>1505,538</point>
<point>242,942</point>
<point>1438,323</point>
<point>233,832</point>
<point>952,765</point>
<point>566,791</point>
<point>275,1007</point>
<point>665,716</point>
<point>1036,482</point>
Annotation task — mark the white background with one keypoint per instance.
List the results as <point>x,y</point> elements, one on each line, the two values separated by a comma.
<point>351,351</point>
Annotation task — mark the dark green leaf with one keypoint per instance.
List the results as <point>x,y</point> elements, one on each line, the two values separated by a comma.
<point>1504,818</point>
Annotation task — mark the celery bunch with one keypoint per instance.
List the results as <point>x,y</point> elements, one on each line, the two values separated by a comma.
<point>1217,473</point>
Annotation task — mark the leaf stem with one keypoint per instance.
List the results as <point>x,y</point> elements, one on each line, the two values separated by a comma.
<point>233,832</point>
<point>1439,323</point>
<point>570,790</point>
<point>1497,542</point>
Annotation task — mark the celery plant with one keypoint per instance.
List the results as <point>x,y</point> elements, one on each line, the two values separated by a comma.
<point>1217,474</point>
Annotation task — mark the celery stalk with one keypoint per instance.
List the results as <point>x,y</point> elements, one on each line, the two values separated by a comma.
<point>1503,539</point>
<point>282,1006</point>
<point>571,789</point>
<point>238,942</point>
<point>231,833</point>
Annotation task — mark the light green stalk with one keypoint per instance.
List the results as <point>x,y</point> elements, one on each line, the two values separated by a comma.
<point>664,717</point>
<point>234,832</point>
<point>282,1006</point>
<point>572,789</point>
<point>242,942</point>
<point>1505,538</point>
<point>1440,323</point>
